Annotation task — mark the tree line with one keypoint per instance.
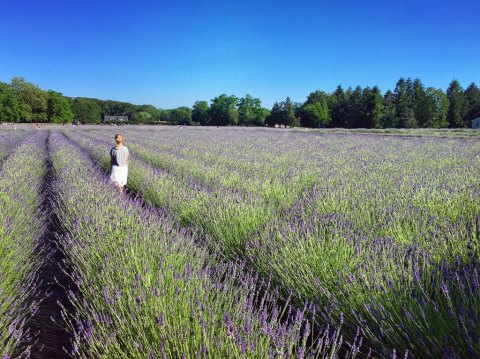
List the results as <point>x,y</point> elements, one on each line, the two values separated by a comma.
<point>409,105</point>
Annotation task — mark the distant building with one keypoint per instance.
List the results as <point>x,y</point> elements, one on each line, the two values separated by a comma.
<point>115,119</point>
<point>476,123</point>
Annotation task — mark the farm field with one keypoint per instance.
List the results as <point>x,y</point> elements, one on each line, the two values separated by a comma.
<point>240,243</point>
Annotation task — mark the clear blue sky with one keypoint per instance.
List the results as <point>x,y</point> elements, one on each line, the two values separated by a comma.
<point>172,53</point>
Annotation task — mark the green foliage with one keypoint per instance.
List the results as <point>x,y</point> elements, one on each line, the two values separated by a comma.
<point>181,116</point>
<point>140,117</point>
<point>337,104</point>
<point>410,105</point>
<point>457,110</point>
<point>354,116</point>
<point>33,100</point>
<point>314,112</point>
<point>472,94</point>
<point>404,103</point>
<point>116,108</point>
<point>373,108</point>
<point>152,110</point>
<point>283,113</point>
<point>86,110</point>
<point>223,111</point>
<point>59,109</point>
<point>389,119</point>
<point>200,113</point>
<point>251,112</point>
<point>10,108</point>
<point>432,107</point>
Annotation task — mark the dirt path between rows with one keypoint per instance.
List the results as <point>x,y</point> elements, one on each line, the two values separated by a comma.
<point>53,340</point>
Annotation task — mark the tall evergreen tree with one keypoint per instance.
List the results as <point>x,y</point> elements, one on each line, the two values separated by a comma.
<point>472,94</point>
<point>458,106</point>
<point>389,118</point>
<point>422,105</point>
<point>283,113</point>
<point>373,111</point>
<point>438,102</point>
<point>338,107</point>
<point>355,114</point>
<point>404,103</point>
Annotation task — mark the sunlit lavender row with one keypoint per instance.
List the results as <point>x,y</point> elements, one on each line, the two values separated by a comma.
<point>21,226</point>
<point>144,288</point>
<point>382,231</point>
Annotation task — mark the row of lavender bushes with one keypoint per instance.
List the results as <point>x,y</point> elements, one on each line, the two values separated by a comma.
<point>22,224</point>
<point>389,237</point>
<point>9,140</point>
<point>146,289</point>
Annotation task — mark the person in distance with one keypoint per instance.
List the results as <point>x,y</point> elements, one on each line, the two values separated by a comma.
<point>119,162</point>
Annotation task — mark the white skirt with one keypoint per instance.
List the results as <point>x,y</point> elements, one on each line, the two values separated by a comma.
<point>119,175</point>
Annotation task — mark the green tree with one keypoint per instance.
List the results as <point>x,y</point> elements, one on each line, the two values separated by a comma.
<point>59,109</point>
<point>251,112</point>
<point>355,108</point>
<point>438,101</point>
<point>314,112</point>
<point>151,110</point>
<point>458,105</point>
<point>338,106</point>
<point>373,111</point>
<point>140,117</point>
<point>404,103</point>
<point>472,94</point>
<point>423,108</point>
<point>200,113</point>
<point>116,108</point>
<point>283,113</point>
<point>275,116</point>
<point>181,116</point>
<point>389,119</point>
<point>33,100</point>
<point>223,111</point>
<point>86,110</point>
<point>10,109</point>
<point>165,116</point>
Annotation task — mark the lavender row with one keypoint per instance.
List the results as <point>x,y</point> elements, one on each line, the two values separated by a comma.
<point>146,289</point>
<point>10,139</point>
<point>21,227</point>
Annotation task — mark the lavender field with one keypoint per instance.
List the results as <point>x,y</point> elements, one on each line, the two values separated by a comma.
<point>239,243</point>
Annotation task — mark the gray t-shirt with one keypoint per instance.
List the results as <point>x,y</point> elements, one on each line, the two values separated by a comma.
<point>119,156</point>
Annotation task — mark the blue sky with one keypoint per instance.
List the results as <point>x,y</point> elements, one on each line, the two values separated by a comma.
<point>172,53</point>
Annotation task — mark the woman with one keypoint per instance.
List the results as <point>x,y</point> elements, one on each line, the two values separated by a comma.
<point>119,161</point>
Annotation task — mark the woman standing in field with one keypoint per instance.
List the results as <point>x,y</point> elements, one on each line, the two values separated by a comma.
<point>119,161</point>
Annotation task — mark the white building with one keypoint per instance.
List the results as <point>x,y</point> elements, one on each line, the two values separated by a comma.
<point>476,123</point>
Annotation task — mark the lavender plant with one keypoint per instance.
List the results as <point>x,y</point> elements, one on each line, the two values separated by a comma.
<point>21,226</point>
